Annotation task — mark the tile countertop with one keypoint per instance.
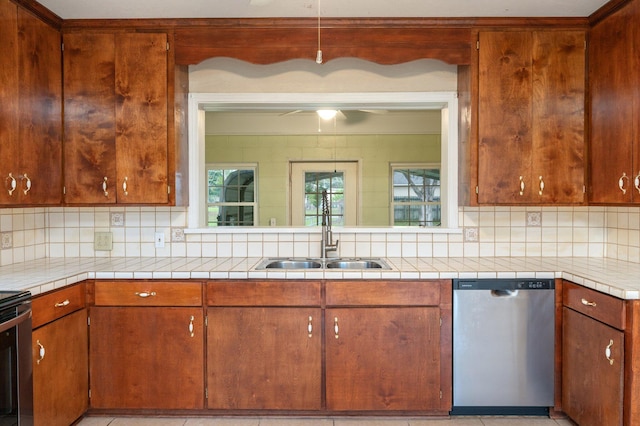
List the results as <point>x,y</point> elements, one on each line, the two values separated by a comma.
<point>617,278</point>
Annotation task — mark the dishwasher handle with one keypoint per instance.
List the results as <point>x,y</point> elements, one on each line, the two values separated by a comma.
<point>504,293</point>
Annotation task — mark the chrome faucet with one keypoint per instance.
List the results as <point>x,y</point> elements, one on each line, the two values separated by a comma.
<point>326,241</point>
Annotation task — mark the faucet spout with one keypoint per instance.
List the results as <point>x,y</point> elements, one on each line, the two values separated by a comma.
<point>326,241</point>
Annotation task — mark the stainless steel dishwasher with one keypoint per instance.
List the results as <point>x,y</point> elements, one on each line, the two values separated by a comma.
<point>503,346</point>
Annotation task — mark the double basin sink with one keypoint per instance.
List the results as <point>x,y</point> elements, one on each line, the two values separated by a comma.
<point>330,263</point>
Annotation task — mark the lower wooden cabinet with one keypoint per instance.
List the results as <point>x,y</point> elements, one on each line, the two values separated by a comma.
<point>60,357</point>
<point>593,357</point>
<point>388,346</point>
<point>383,359</point>
<point>143,354</point>
<point>265,358</point>
<point>592,386</point>
<point>264,345</point>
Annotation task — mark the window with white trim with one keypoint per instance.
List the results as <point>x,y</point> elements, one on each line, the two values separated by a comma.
<point>231,195</point>
<point>415,198</point>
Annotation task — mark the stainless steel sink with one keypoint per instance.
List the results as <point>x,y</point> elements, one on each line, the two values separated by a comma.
<point>291,264</point>
<point>354,264</point>
<point>338,263</point>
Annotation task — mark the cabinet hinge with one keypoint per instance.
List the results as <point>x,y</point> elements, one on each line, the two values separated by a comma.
<point>206,321</point>
<point>477,44</point>
<point>89,393</point>
<point>88,321</point>
<point>477,190</point>
<point>440,322</point>
<point>168,189</point>
<point>64,190</point>
<point>167,46</point>
<point>584,189</point>
<point>440,394</point>
<point>206,393</point>
<point>62,46</point>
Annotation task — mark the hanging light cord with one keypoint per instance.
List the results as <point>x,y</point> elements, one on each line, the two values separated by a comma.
<point>319,53</point>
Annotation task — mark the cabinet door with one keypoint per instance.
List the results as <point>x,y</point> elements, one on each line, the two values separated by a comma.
<point>60,370</point>
<point>141,118</point>
<point>613,76</point>
<point>264,358</point>
<point>145,357</point>
<point>531,117</point>
<point>558,99</point>
<point>8,100</point>
<point>89,125</point>
<point>40,112</point>
<point>592,385</point>
<point>505,117</point>
<point>383,358</point>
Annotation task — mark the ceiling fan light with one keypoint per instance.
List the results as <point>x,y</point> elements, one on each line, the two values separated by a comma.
<point>327,114</point>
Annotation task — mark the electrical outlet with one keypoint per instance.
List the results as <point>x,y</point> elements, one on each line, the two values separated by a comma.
<point>159,239</point>
<point>103,241</point>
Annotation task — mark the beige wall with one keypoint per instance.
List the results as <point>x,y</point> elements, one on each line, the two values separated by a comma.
<point>273,154</point>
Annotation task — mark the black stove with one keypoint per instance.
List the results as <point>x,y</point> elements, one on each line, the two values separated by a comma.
<point>11,298</point>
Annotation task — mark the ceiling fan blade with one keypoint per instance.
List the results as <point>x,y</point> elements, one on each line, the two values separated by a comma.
<point>284,114</point>
<point>375,111</point>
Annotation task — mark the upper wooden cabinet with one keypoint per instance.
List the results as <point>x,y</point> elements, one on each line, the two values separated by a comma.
<point>531,117</point>
<point>30,109</point>
<point>614,72</point>
<point>116,121</point>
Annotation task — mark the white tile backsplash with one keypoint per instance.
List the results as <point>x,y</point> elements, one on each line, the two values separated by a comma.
<point>34,233</point>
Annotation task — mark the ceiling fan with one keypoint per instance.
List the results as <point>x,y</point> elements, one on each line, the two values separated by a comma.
<point>348,115</point>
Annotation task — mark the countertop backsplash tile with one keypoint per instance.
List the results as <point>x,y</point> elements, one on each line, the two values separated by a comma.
<point>57,232</point>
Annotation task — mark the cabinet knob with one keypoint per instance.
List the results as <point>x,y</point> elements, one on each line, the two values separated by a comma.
<point>125,186</point>
<point>310,326</point>
<point>336,329</point>
<point>521,185</point>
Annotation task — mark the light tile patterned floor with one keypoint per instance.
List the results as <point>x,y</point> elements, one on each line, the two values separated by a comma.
<point>333,421</point>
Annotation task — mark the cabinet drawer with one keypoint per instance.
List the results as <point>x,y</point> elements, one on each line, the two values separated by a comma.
<point>600,306</point>
<point>148,293</point>
<point>383,293</point>
<point>263,293</point>
<point>56,304</point>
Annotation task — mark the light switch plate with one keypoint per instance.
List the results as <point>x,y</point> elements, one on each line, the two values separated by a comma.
<point>103,241</point>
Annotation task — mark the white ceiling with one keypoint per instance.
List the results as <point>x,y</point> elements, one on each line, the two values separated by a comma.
<point>122,9</point>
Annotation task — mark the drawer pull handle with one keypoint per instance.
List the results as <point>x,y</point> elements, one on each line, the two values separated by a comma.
<point>12,184</point>
<point>622,182</point>
<point>62,304</point>
<point>336,329</point>
<point>41,352</point>
<point>541,186</point>
<point>104,187</point>
<point>191,333</point>
<point>636,182</point>
<point>310,326</point>
<point>607,352</point>
<point>585,302</point>
<point>27,185</point>
<point>146,294</point>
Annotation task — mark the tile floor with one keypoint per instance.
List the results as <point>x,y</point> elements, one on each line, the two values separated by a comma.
<point>332,421</point>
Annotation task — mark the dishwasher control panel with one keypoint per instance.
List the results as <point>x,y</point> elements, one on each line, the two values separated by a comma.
<point>504,284</point>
